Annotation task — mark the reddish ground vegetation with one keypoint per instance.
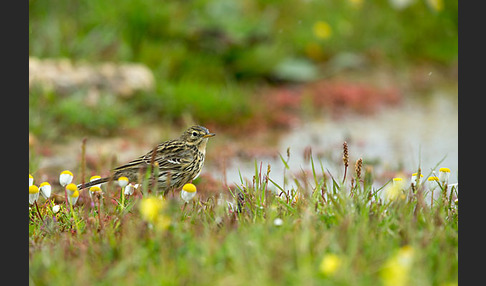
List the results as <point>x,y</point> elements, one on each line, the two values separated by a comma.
<point>283,107</point>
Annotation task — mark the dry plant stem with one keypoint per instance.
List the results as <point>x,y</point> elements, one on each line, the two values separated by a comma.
<point>83,160</point>
<point>411,193</point>
<point>99,212</point>
<point>432,199</point>
<point>420,202</point>
<point>84,195</point>
<point>38,212</point>
<point>65,198</point>
<point>323,195</point>
<point>140,180</point>
<point>450,197</point>
<point>345,171</point>
<point>75,219</point>
<point>97,200</point>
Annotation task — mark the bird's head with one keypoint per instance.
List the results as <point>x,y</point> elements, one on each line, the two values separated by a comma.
<point>195,135</point>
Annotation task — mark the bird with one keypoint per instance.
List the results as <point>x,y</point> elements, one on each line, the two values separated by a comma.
<point>179,161</point>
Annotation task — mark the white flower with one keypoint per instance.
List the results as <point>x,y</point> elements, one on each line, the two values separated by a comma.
<point>414,179</point>
<point>65,178</point>
<point>72,199</point>
<point>56,208</point>
<point>45,189</point>
<point>444,174</point>
<point>31,180</point>
<point>33,194</point>
<point>398,182</point>
<point>433,182</point>
<point>188,192</point>
<point>400,4</point>
<point>123,181</point>
<point>96,189</point>
<point>278,222</point>
<point>129,189</point>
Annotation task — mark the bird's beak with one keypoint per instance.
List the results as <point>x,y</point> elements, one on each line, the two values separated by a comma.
<point>209,135</point>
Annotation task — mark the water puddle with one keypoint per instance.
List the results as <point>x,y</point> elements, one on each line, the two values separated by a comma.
<point>419,132</point>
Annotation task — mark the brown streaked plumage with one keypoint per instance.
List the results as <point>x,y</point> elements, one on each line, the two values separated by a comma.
<point>179,161</point>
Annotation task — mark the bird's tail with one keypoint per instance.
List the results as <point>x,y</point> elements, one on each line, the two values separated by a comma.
<point>94,182</point>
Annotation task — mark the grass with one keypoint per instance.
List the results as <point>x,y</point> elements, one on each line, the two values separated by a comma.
<point>315,230</point>
<point>208,56</point>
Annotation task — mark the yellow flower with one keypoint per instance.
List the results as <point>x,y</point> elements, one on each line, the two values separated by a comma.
<point>396,269</point>
<point>188,192</point>
<point>356,3</point>
<point>437,5</point>
<point>71,188</point>
<point>191,188</point>
<point>398,181</point>
<point>395,191</point>
<point>65,178</point>
<point>162,223</point>
<point>33,189</point>
<point>31,180</point>
<point>95,177</point>
<point>330,264</point>
<point>150,208</point>
<point>322,30</point>
<point>96,189</point>
<point>33,194</point>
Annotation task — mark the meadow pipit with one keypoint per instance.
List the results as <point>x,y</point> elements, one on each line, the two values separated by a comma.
<point>179,161</point>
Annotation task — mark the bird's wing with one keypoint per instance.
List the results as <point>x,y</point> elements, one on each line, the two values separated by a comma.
<point>173,156</point>
<point>169,155</point>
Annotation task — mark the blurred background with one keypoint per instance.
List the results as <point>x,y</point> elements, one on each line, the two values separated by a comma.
<point>265,76</point>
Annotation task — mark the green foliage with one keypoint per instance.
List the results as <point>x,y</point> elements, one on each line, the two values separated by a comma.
<point>205,102</point>
<point>51,114</point>
<point>209,242</point>
<point>218,48</point>
<point>242,39</point>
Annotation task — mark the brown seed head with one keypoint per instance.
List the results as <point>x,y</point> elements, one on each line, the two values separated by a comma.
<point>357,167</point>
<point>345,154</point>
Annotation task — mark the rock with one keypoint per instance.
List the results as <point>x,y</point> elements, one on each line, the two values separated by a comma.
<point>62,76</point>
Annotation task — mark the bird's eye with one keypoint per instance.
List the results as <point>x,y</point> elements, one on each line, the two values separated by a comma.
<point>194,134</point>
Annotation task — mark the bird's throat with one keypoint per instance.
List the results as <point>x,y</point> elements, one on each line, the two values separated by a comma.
<point>202,146</point>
